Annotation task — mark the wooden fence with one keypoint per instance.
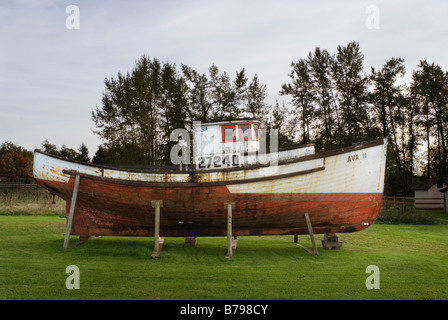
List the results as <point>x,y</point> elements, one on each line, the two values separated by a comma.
<point>19,186</point>
<point>430,203</point>
<point>398,201</point>
<point>419,203</point>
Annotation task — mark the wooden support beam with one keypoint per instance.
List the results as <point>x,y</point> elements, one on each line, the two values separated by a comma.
<point>158,241</point>
<point>229,206</point>
<point>159,244</point>
<point>310,231</point>
<point>234,244</point>
<point>71,212</point>
<point>84,239</point>
<point>331,242</point>
<point>190,241</point>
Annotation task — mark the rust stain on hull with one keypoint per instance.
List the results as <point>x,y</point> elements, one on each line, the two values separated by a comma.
<point>109,209</point>
<point>341,191</point>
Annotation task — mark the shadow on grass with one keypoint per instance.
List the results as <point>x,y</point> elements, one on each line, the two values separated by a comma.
<point>251,248</point>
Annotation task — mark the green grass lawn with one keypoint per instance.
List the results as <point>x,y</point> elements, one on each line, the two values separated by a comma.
<point>412,260</point>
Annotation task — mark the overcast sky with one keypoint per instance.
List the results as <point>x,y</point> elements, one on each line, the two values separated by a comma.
<point>52,73</point>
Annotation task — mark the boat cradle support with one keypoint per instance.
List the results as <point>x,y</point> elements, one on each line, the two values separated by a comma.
<point>231,244</point>
<point>71,212</point>
<point>313,242</point>
<point>82,238</point>
<point>158,241</point>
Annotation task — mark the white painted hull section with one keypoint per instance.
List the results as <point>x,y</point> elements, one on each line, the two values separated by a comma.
<point>356,171</point>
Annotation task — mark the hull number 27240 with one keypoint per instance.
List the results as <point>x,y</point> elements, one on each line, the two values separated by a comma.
<point>218,161</point>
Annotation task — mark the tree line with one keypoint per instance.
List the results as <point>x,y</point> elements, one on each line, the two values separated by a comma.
<point>142,107</point>
<point>335,103</point>
<point>332,101</point>
<point>16,162</point>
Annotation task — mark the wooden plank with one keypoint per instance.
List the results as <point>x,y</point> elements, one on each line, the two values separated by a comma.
<point>158,242</point>
<point>72,210</point>
<point>190,241</point>
<point>229,207</point>
<point>331,242</point>
<point>310,231</point>
<point>82,239</point>
<point>234,244</point>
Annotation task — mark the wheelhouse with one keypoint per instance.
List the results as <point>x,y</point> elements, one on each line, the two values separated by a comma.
<point>233,136</point>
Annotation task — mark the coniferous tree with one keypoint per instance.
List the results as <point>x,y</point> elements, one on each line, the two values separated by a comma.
<point>430,88</point>
<point>301,91</point>
<point>255,97</point>
<point>128,120</point>
<point>279,122</point>
<point>326,115</point>
<point>101,156</point>
<point>351,85</point>
<point>226,96</point>
<point>141,108</point>
<point>199,105</point>
<point>49,147</point>
<point>83,153</point>
<point>67,152</point>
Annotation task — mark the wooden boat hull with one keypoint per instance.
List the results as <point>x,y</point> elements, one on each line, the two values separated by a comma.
<point>341,192</point>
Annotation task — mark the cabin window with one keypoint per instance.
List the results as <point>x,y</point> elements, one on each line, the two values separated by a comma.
<point>256,131</point>
<point>245,132</point>
<point>228,133</point>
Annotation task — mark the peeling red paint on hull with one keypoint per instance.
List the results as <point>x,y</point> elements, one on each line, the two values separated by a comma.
<point>105,208</point>
<point>340,190</point>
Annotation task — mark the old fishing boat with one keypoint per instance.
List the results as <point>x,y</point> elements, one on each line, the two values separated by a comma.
<point>339,191</point>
